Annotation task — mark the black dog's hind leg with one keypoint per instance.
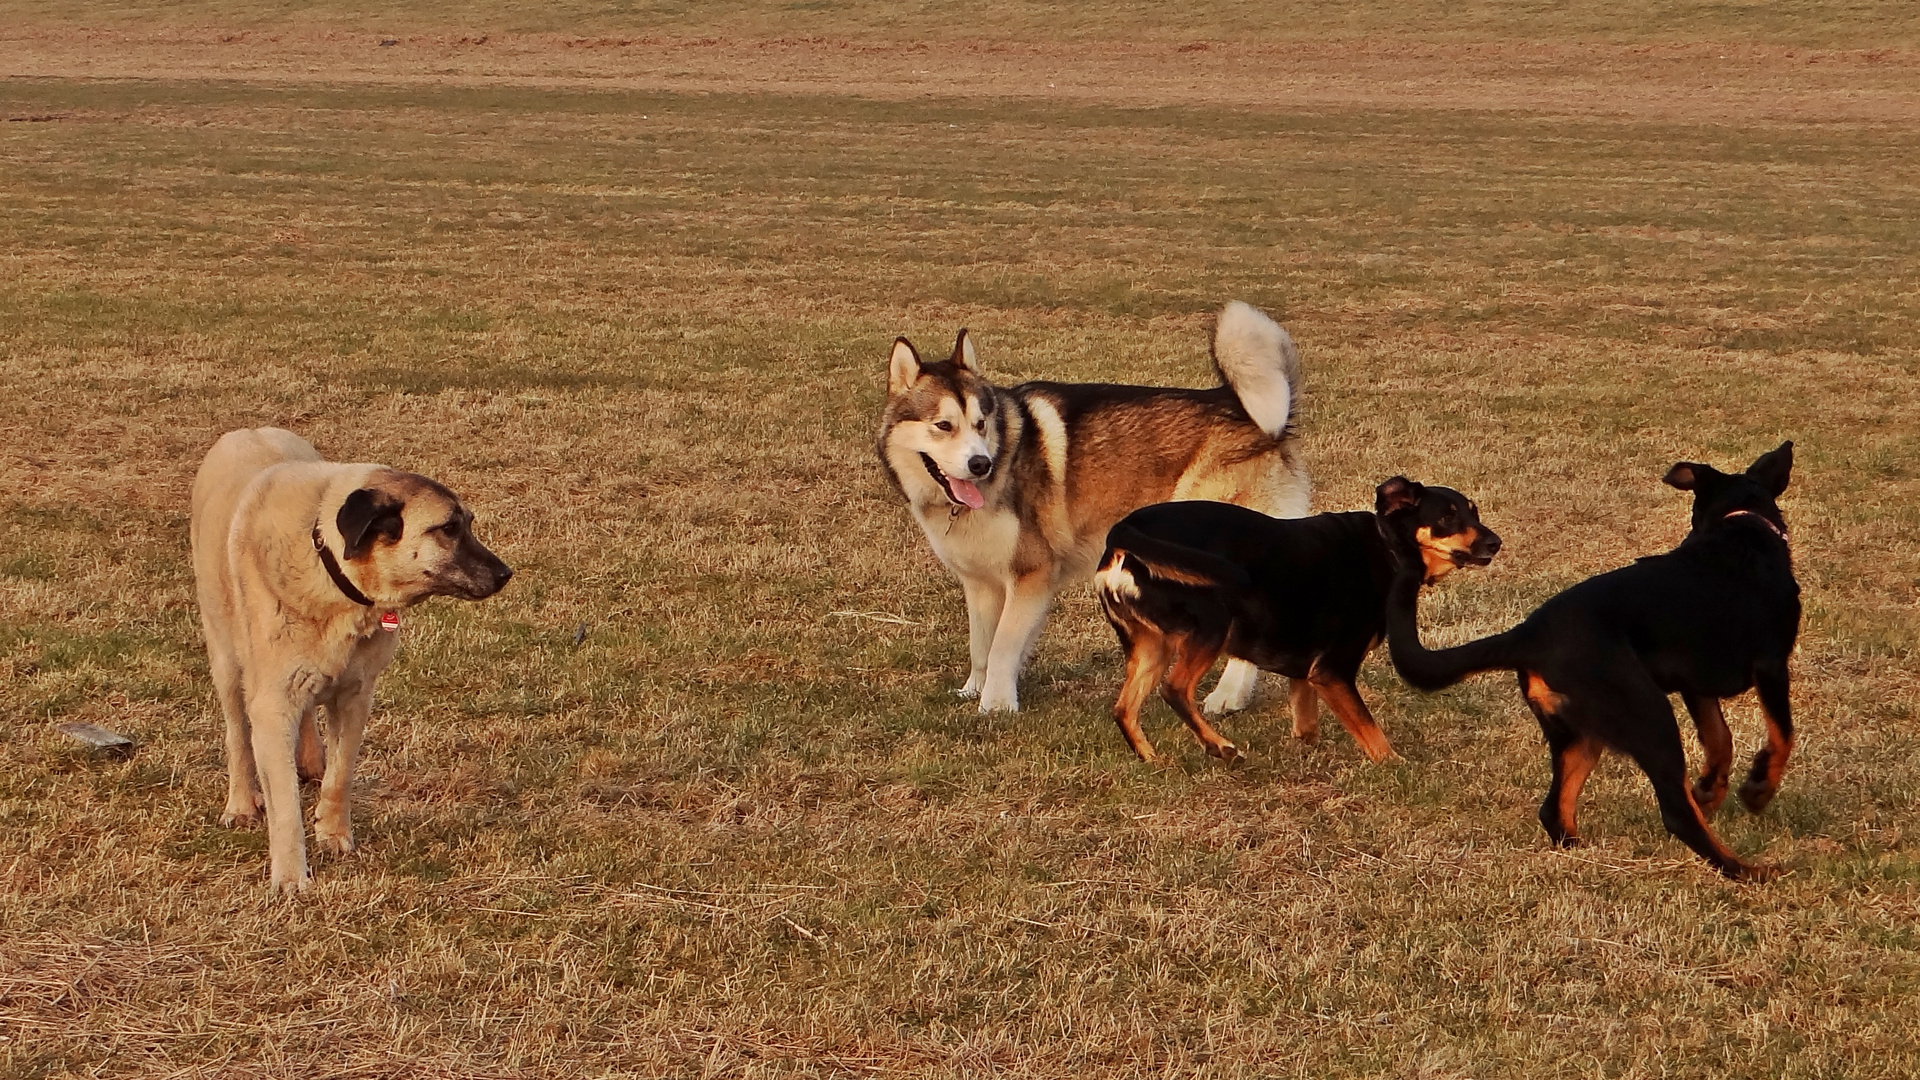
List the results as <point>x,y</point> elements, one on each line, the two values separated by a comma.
<point>1649,732</point>
<point>1193,657</point>
<point>1710,789</point>
<point>1305,705</point>
<point>1770,764</point>
<point>1574,756</point>
<point>1146,665</point>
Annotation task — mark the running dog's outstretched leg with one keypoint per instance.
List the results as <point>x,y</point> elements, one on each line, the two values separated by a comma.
<point>1770,764</point>
<point>1710,790</point>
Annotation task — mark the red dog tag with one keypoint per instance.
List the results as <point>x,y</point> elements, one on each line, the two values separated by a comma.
<point>390,621</point>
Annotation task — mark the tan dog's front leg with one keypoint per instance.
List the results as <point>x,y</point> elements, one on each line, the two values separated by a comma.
<point>311,759</point>
<point>332,814</point>
<point>243,796</point>
<point>276,735</point>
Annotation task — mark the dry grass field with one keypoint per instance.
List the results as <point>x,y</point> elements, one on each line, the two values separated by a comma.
<point>692,797</point>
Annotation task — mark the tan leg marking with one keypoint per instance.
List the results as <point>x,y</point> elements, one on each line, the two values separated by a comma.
<point>1542,696</point>
<point>1306,711</point>
<point>1576,764</point>
<point>1191,662</point>
<point>1146,663</point>
<point>1346,704</point>
<point>1710,790</point>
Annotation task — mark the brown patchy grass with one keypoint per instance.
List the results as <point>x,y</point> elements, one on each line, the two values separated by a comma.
<point>740,828</point>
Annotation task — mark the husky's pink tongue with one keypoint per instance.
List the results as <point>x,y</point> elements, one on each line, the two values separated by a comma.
<point>967,492</point>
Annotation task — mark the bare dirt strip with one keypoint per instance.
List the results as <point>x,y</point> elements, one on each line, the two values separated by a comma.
<point>1693,82</point>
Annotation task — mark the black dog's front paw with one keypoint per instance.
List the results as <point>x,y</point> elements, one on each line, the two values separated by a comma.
<point>1755,796</point>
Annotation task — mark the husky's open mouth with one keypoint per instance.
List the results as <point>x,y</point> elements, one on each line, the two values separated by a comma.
<point>959,492</point>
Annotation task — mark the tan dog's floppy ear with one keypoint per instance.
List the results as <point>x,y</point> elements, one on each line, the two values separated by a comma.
<point>1394,495</point>
<point>903,367</point>
<point>1686,475</point>
<point>963,352</point>
<point>1774,468</point>
<point>366,515</point>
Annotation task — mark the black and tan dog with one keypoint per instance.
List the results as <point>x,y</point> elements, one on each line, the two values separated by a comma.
<point>302,567</point>
<point>1184,582</point>
<point>1710,619</point>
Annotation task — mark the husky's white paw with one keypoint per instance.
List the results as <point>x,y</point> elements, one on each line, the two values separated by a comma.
<point>1219,704</point>
<point>1235,691</point>
<point>999,701</point>
<point>975,680</point>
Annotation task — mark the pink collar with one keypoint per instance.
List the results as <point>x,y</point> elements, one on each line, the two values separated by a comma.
<point>1762,519</point>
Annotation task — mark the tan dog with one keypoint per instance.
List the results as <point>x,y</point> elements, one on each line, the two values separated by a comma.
<point>302,566</point>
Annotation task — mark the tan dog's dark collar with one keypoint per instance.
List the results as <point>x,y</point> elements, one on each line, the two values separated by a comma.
<point>333,571</point>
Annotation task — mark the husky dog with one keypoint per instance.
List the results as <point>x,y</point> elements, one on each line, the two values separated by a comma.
<point>1017,486</point>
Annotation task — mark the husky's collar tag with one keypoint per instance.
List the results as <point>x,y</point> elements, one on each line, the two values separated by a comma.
<point>390,621</point>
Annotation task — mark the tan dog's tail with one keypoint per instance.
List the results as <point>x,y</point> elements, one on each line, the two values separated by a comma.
<point>1256,357</point>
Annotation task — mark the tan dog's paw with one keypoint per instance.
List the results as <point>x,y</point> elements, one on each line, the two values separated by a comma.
<point>333,842</point>
<point>291,886</point>
<point>242,816</point>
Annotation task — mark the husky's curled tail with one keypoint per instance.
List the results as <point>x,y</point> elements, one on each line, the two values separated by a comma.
<point>1255,356</point>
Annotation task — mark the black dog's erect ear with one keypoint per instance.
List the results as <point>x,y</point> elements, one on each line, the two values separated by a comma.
<point>1394,495</point>
<point>903,367</point>
<point>365,515</point>
<point>1774,468</point>
<point>963,352</point>
<point>1686,475</point>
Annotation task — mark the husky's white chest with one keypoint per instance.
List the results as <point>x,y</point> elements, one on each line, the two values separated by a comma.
<point>974,543</point>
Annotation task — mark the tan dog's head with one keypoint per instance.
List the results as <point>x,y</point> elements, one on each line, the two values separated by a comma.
<point>406,538</point>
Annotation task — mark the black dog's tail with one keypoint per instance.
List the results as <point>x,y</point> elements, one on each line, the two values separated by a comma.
<point>1131,553</point>
<point>1433,669</point>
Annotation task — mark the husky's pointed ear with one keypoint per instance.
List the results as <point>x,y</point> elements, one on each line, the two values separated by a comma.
<point>1394,495</point>
<point>903,367</point>
<point>963,352</point>
<point>1686,475</point>
<point>1773,468</point>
